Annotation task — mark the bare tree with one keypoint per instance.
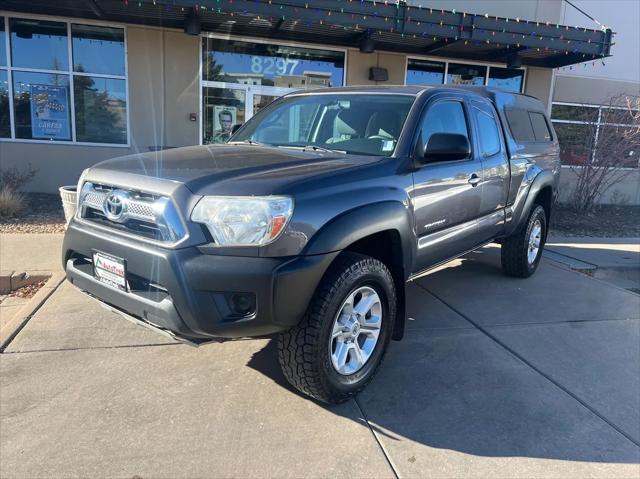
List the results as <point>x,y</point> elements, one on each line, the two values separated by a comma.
<point>601,153</point>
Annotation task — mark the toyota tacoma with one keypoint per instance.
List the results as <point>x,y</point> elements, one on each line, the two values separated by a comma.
<point>311,219</point>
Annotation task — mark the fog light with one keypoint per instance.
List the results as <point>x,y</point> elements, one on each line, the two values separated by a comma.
<point>243,303</point>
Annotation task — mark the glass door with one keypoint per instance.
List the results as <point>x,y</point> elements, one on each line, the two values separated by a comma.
<point>228,104</point>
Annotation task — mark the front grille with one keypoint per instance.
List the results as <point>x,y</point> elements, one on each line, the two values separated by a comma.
<point>134,212</point>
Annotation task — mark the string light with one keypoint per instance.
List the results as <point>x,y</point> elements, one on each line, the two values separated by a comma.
<point>393,18</point>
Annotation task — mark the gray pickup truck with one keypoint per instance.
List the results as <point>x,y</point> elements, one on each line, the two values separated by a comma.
<point>311,219</point>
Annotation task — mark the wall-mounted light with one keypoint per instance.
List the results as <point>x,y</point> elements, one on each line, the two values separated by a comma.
<point>192,23</point>
<point>367,45</point>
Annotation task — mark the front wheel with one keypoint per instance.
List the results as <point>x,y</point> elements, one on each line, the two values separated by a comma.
<point>522,251</point>
<point>336,349</point>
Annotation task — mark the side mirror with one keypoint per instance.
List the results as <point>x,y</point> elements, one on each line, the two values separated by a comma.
<point>235,128</point>
<point>447,147</point>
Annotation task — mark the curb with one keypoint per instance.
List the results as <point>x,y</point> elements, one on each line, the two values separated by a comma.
<point>10,330</point>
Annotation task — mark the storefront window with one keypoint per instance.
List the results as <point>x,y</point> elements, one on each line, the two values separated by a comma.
<point>98,49</point>
<point>3,44</point>
<point>574,113</point>
<point>101,109</point>
<point>574,141</point>
<point>48,84</point>
<point>424,72</point>
<point>240,78</point>
<point>459,74</point>
<point>506,78</point>
<point>5,126</point>
<point>262,64</point>
<point>39,44</point>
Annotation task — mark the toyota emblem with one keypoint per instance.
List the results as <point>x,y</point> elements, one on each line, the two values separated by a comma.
<point>115,205</point>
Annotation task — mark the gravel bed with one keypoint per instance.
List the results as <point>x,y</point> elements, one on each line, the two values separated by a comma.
<point>28,291</point>
<point>607,221</point>
<point>42,214</point>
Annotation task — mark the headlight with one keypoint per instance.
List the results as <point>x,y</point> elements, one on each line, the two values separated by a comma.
<point>243,221</point>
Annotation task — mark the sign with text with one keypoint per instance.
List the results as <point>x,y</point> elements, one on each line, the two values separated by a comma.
<point>50,112</point>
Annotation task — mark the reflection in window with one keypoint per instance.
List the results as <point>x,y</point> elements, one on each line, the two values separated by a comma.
<point>270,65</point>
<point>506,78</point>
<point>575,141</point>
<point>574,112</point>
<point>424,72</point>
<point>39,44</point>
<point>444,117</point>
<point>41,106</point>
<point>487,130</point>
<point>3,44</point>
<point>101,109</point>
<point>98,49</point>
<point>5,126</point>
<point>459,74</point>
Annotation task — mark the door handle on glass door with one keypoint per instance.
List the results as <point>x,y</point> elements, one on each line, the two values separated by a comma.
<point>474,180</point>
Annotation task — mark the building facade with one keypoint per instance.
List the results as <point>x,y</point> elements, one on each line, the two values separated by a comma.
<point>110,78</point>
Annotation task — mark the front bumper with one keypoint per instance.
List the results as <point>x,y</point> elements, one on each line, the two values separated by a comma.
<point>180,290</point>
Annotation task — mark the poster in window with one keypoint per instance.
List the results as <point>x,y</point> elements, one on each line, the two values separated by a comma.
<point>224,117</point>
<point>50,112</point>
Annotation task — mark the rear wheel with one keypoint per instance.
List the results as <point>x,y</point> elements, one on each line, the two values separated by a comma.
<point>522,251</point>
<point>336,349</point>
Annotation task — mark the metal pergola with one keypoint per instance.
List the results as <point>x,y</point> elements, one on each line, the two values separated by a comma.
<point>393,26</point>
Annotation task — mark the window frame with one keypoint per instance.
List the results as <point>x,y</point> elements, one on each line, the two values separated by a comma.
<point>446,62</point>
<point>417,134</point>
<point>68,21</point>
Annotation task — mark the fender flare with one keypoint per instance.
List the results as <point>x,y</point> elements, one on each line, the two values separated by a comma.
<point>363,221</point>
<point>524,203</point>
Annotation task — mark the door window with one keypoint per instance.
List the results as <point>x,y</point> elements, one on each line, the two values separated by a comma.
<point>444,117</point>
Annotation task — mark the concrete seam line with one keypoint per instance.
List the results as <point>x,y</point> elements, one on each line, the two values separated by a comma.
<point>538,370</point>
<point>377,439</point>
<point>27,312</point>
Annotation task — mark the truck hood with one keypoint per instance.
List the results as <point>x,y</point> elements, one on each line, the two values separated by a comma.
<point>232,169</point>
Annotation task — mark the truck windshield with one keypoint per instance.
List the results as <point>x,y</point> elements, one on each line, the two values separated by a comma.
<point>367,124</point>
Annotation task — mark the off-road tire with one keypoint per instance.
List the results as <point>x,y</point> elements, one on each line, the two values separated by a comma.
<point>303,351</point>
<point>514,254</point>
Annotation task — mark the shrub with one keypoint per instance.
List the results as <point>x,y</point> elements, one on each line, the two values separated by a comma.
<point>11,202</point>
<point>15,179</point>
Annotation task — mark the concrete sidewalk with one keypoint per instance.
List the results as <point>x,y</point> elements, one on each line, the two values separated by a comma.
<point>615,260</point>
<point>31,252</point>
<point>601,252</point>
<point>497,377</point>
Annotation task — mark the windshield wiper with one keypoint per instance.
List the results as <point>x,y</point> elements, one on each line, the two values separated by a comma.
<point>245,142</point>
<point>312,147</point>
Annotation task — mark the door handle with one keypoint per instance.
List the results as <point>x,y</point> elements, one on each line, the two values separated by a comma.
<point>474,180</point>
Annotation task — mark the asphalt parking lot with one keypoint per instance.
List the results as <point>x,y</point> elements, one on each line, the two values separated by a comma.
<point>497,377</point>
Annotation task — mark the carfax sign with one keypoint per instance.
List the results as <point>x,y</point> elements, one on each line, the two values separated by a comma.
<point>50,112</point>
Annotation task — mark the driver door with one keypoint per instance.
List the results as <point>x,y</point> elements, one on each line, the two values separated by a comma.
<point>446,195</point>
